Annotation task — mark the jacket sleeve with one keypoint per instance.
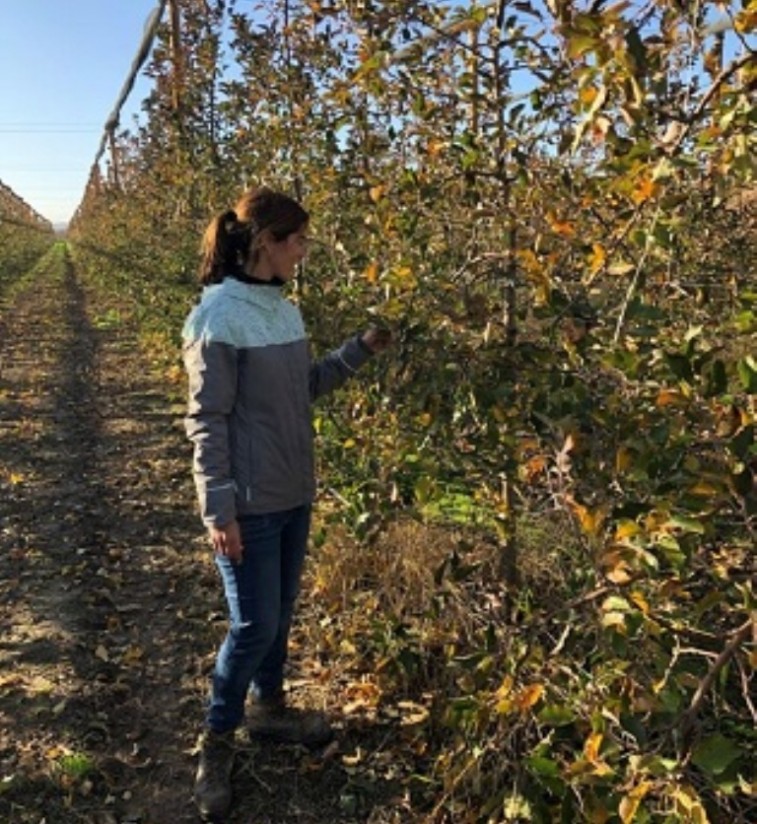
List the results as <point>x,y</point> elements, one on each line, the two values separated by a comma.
<point>332,371</point>
<point>212,371</point>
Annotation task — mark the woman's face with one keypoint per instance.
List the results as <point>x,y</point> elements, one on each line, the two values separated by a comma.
<point>285,255</point>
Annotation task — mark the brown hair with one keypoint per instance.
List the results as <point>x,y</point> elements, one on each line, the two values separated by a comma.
<point>232,240</point>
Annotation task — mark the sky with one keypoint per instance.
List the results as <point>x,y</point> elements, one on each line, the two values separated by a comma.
<point>62,66</point>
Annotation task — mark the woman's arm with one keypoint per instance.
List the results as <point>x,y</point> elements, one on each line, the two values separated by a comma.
<point>338,366</point>
<point>212,371</point>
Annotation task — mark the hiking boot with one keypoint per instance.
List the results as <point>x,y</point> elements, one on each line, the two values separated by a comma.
<point>213,781</point>
<point>275,721</point>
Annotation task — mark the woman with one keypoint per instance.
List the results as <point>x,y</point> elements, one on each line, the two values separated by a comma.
<point>251,384</point>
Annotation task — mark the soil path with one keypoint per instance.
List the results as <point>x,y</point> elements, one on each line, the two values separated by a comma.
<point>109,606</point>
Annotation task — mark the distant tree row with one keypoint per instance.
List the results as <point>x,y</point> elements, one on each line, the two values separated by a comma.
<point>24,235</point>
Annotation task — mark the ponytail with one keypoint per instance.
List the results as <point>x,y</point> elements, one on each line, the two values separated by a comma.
<point>225,248</point>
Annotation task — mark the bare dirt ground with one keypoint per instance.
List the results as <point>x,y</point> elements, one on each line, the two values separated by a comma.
<point>109,606</point>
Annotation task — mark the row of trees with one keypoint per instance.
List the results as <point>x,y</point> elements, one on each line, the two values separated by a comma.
<point>553,206</point>
<point>24,235</point>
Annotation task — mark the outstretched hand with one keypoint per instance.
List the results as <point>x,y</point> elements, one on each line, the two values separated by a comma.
<point>376,339</point>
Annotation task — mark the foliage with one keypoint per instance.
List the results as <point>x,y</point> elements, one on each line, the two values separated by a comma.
<point>551,205</point>
<point>24,236</point>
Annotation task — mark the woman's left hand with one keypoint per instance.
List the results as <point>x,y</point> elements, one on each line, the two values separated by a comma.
<point>377,340</point>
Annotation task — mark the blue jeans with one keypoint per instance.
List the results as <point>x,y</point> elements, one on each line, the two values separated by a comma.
<point>260,592</point>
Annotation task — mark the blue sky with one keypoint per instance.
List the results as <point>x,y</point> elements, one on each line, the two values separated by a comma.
<point>62,66</point>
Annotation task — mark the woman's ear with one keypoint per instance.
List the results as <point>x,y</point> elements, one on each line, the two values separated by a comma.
<point>265,239</point>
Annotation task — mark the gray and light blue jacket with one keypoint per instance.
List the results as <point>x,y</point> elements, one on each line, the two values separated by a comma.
<point>251,386</point>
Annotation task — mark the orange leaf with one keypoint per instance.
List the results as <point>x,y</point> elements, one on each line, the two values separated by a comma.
<point>588,95</point>
<point>645,189</point>
<point>563,228</point>
<point>371,272</point>
<point>591,520</point>
<point>529,696</point>
<point>668,397</point>
<point>534,467</point>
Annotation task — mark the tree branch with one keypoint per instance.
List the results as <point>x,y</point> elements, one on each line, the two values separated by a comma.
<point>729,650</point>
<point>705,101</point>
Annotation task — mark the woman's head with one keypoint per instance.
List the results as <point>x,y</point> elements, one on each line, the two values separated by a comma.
<point>263,236</point>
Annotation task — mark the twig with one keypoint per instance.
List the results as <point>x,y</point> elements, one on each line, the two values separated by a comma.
<point>737,638</point>
<point>708,95</point>
<point>745,690</point>
<point>634,281</point>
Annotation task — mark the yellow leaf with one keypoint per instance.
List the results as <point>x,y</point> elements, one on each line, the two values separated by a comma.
<point>640,601</point>
<point>623,459</point>
<point>57,751</point>
<point>377,192</point>
<point>628,808</point>
<point>621,268</point>
<point>620,573</point>
<point>597,258</point>
<point>346,647</point>
<point>746,21</point>
<point>702,489</point>
<point>40,686</point>
<point>592,746</point>
<point>505,687</point>
<point>529,260</point>
<point>616,621</point>
<point>689,806</point>
<point>349,443</point>
<point>626,529</point>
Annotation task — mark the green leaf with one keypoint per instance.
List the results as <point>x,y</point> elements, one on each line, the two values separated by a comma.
<point>680,366</point>
<point>742,442</point>
<point>637,50</point>
<point>556,715</point>
<point>544,767</point>
<point>747,369</point>
<point>713,755</point>
<point>717,380</point>
<point>579,44</point>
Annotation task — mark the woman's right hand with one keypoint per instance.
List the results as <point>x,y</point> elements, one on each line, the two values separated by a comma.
<point>227,541</point>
